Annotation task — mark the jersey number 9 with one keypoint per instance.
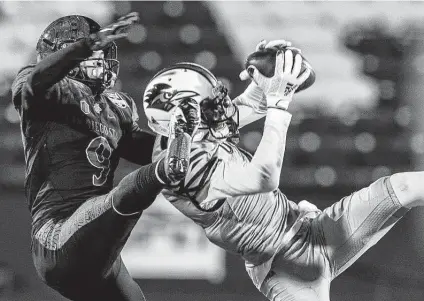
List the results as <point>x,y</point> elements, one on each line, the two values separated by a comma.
<point>98,154</point>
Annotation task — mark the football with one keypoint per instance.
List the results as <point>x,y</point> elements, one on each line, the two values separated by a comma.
<point>264,61</point>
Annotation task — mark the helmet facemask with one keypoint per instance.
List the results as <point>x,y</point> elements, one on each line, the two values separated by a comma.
<point>99,71</point>
<point>219,114</point>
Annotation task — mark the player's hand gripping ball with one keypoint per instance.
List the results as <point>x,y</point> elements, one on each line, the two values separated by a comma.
<point>264,61</point>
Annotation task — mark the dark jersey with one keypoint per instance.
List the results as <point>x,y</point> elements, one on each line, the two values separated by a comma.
<point>70,141</point>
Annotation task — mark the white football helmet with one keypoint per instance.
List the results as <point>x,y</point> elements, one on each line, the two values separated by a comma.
<point>219,116</point>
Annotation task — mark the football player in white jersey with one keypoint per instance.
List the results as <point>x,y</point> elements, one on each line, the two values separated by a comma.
<point>292,251</point>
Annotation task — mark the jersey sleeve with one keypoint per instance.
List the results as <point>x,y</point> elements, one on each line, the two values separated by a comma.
<point>248,115</point>
<point>137,144</point>
<point>234,178</point>
<point>18,84</point>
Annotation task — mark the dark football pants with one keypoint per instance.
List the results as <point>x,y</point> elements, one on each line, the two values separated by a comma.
<point>79,256</point>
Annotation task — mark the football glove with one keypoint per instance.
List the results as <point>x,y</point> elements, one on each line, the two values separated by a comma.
<point>112,32</point>
<point>280,88</point>
<point>252,97</point>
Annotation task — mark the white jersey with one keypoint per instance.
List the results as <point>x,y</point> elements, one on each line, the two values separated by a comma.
<point>220,197</point>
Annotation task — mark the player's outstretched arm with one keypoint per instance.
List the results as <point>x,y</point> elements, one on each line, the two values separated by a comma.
<point>34,81</point>
<point>262,174</point>
<point>57,65</point>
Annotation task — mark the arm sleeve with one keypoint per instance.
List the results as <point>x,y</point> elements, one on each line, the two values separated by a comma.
<point>53,69</point>
<point>137,145</point>
<point>262,173</point>
<point>247,115</point>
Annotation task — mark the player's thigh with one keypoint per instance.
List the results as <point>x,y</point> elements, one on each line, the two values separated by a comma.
<point>283,283</point>
<point>300,270</point>
<point>355,223</point>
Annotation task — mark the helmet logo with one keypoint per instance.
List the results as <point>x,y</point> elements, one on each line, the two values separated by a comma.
<point>161,96</point>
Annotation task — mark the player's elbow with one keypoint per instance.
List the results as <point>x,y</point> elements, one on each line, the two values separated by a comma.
<point>30,85</point>
<point>38,82</point>
<point>269,177</point>
<point>26,92</point>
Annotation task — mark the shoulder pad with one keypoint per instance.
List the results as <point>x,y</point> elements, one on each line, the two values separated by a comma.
<point>119,99</point>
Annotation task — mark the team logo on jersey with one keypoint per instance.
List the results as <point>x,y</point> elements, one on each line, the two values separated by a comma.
<point>85,108</point>
<point>118,100</point>
<point>162,97</point>
<point>97,108</point>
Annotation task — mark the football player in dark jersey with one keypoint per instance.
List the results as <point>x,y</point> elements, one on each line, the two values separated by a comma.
<point>74,131</point>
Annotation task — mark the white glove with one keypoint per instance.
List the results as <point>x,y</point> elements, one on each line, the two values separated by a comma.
<point>253,97</point>
<point>280,88</point>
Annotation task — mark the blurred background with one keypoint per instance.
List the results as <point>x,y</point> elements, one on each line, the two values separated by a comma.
<point>361,120</point>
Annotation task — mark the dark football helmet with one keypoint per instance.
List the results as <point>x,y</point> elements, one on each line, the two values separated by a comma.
<point>98,71</point>
<point>219,116</point>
